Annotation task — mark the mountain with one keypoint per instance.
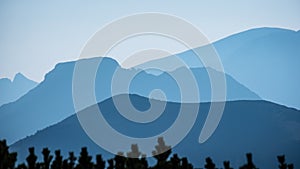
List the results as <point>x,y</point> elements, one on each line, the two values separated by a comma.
<point>266,129</point>
<point>265,60</point>
<point>10,91</point>
<point>169,83</point>
<point>52,100</point>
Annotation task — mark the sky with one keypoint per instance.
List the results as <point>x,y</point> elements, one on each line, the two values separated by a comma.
<point>35,35</point>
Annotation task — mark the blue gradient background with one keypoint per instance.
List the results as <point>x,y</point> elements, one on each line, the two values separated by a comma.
<point>36,35</point>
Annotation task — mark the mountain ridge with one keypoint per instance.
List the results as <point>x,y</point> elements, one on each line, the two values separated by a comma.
<point>262,59</point>
<point>275,58</point>
<point>235,129</point>
<point>51,101</point>
<point>55,105</point>
<point>172,102</point>
<point>12,90</point>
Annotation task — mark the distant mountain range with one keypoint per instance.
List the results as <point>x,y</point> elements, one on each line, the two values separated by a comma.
<point>266,60</point>
<point>11,91</point>
<point>51,101</point>
<point>263,128</point>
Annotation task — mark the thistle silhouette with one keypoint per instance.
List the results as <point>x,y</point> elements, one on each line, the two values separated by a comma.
<point>282,163</point>
<point>31,159</point>
<point>7,160</point>
<point>134,159</point>
<point>58,161</point>
<point>209,163</point>
<point>161,152</point>
<point>250,164</point>
<point>47,158</point>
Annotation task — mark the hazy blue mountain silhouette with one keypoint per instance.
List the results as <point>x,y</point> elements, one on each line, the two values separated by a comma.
<point>266,60</point>
<point>51,101</point>
<point>144,83</point>
<point>10,91</point>
<point>266,129</point>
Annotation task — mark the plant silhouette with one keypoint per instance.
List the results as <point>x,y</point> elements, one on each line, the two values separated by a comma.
<point>175,160</point>
<point>226,165</point>
<point>250,164</point>
<point>133,160</point>
<point>71,160</point>
<point>47,158</point>
<point>209,163</point>
<point>100,163</point>
<point>85,160</point>
<point>57,163</point>
<point>161,153</point>
<point>7,160</point>
<point>282,163</point>
<point>31,159</point>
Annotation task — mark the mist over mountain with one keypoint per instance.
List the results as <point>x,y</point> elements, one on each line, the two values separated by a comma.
<point>265,60</point>
<point>10,91</point>
<point>263,128</point>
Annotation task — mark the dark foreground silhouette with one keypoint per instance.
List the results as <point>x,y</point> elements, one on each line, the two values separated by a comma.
<point>133,160</point>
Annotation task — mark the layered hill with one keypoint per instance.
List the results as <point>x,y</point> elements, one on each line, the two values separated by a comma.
<point>263,128</point>
<point>52,100</point>
<point>266,60</point>
<point>11,91</point>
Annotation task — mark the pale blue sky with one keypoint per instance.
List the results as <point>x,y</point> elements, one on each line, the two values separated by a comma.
<point>37,34</point>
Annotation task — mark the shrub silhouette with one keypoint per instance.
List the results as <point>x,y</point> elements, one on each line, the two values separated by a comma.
<point>161,153</point>
<point>47,158</point>
<point>7,160</point>
<point>133,160</point>
<point>85,161</point>
<point>226,165</point>
<point>57,163</point>
<point>120,161</point>
<point>250,164</point>
<point>100,163</point>
<point>110,164</point>
<point>209,163</point>
<point>185,164</point>
<point>175,160</point>
<point>290,166</point>
<point>282,163</point>
<point>31,159</point>
<point>144,162</point>
<point>71,160</point>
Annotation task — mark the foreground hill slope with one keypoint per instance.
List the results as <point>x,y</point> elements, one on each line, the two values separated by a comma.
<point>263,128</point>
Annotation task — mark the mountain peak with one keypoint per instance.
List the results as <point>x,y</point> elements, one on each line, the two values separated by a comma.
<point>19,76</point>
<point>12,90</point>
